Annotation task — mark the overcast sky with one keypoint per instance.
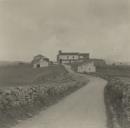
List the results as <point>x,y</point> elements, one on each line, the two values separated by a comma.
<point>30,27</point>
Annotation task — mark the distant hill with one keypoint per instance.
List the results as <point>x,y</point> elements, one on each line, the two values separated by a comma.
<point>123,63</point>
<point>11,63</point>
<point>127,63</point>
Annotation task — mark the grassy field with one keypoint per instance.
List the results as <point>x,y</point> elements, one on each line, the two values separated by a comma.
<point>114,71</point>
<point>24,75</point>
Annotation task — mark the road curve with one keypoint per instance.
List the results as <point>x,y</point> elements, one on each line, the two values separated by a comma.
<point>82,109</point>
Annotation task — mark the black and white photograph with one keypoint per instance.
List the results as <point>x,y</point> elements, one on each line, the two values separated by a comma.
<point>64,64</point>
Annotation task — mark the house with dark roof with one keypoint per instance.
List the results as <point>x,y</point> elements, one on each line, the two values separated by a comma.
<point>71,57</point>
<point>40,61</point>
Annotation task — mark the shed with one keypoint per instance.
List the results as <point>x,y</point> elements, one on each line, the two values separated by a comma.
<point>40,61</point>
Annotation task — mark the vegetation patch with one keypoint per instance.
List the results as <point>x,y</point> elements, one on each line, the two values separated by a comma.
<point>113,71</point>
<point>117,95</point>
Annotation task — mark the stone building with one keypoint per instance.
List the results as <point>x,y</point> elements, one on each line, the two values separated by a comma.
<point>40,61</point>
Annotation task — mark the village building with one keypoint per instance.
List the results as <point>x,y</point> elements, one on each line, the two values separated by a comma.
<point>71,57</point>
<point>40,61</point>
<point>86,67</point>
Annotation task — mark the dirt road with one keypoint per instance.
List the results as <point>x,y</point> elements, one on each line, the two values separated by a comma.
<point>82,109</point>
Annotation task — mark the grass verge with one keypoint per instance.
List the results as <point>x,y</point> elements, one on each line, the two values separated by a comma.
<point>116,95</point>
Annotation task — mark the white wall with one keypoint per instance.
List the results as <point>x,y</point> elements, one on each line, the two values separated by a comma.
<point>88,67</point>
<point>42,63</point>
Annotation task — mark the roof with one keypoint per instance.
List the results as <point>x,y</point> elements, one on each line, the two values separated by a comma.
<point>81,63</point>
<point>83,54</point>
<point>69,53</point>
<point>73,53</point>
<point>39,57</point>
<point>94,59</point>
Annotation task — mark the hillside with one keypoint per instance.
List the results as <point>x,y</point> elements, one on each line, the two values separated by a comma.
<point>23,75</point>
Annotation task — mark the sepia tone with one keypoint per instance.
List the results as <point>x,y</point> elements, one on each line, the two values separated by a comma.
<point>64,64</point>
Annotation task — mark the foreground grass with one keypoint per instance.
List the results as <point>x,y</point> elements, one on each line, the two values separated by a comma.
<point>42,88</point>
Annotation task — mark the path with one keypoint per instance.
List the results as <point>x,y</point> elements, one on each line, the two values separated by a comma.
<point>82,109</point>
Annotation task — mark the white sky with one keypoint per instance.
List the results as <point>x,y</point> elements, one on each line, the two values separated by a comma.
<point>30,27</point>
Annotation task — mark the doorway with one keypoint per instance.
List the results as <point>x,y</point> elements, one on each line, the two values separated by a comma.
<point>38,65</point>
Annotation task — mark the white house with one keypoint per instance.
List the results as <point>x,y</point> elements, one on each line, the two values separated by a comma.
<point>71,57</point>
<point>40,61</point>
<point>87,67</point>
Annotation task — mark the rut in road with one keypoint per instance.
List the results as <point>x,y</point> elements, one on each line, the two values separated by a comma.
<point>82,109</point>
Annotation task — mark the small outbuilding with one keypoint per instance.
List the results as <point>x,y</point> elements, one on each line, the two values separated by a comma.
<point>86,67</point>
<point>40,61</point>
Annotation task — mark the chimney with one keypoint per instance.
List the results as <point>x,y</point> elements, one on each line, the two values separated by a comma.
<point>60,51</point>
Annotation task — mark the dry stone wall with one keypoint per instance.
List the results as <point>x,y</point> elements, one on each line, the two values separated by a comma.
<point>22,102</point>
